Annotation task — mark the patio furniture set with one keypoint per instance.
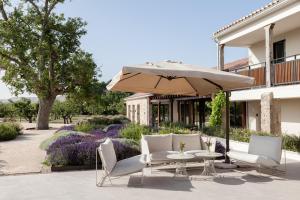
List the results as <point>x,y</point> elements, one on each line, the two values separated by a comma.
<point>165,149</point>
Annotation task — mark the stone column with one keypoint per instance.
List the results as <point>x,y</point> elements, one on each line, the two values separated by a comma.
<point>269,54</point>
<point>270,114</point>
<point>221,56</point>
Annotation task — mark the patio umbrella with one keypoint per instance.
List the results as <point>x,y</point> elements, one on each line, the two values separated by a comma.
<point>176,78</point>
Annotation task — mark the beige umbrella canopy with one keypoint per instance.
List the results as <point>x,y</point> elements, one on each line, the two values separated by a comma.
<point>176,78</point>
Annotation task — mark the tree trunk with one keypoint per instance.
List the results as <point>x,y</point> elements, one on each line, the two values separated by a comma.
<point>45,106</point>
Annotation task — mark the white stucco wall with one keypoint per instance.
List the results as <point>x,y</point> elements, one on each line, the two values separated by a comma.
<point>256,51</point>
<point>144,109</point>
<point>253,119</point>
<point>290,116</point>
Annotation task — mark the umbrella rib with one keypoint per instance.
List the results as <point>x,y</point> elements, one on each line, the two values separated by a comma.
<point>130,76</point>
<point>211,82</point>
<point>160,77</point>
<point>190,85</point>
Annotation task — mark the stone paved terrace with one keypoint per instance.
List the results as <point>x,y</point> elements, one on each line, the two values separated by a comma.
<point>160,185</point>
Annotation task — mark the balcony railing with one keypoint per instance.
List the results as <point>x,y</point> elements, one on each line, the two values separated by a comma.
<point>257,71</point>
<point>286,71</point>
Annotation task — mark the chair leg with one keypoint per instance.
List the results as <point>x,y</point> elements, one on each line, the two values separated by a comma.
<point>142,177</point>
<point>100,184</point>
<point>150,168</point>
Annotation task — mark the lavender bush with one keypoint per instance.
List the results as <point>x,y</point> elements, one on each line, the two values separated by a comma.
<point>66,128</point>
<point>81,150</point>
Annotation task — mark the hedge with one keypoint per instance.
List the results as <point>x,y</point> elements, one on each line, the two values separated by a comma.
<point>9,131</point>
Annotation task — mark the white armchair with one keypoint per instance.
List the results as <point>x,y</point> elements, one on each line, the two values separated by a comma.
<point>112,168</point>
<point>264,151</point>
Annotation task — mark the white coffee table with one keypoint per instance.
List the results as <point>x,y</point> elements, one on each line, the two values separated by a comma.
<point>209,162</point>
<point>180,159</point>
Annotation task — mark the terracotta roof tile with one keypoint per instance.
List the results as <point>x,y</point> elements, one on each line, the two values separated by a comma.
<point>252,14</point>
<point>237,64</point>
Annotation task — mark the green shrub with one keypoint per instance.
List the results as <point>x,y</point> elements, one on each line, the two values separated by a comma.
<point>135,131</point>
<point>107,120</point>
<point>177,128</point>
<point>213,131</point>
<point>9,131</point>
<point>84,127</point>
<point>291,143</point>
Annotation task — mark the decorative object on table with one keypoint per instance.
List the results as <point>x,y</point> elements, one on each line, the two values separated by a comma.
<point>181,147</point>
<point>208,143</point>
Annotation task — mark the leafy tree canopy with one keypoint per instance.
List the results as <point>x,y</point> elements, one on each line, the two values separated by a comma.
<point>41,54</point>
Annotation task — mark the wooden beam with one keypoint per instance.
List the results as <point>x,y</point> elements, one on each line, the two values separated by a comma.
<point>158,114</point>
<point>171,102</point>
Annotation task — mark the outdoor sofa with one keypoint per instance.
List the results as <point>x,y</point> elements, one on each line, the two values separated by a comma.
<point>157,147</point>
<point>263,151</point>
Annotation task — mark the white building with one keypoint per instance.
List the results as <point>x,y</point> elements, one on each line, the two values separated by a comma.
<point>272,36</point>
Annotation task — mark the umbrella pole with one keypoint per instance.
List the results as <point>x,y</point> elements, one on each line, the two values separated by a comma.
<point>227,121</point>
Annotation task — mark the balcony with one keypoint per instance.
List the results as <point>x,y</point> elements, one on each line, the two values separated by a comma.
<point>286,71</point>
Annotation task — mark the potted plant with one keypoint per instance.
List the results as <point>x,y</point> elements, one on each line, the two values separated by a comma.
<point>208,143</point>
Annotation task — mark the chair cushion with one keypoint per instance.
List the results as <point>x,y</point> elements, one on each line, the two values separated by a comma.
<point>129,166</point>
<point>161,156</point>
<point>252,159</point>
<point>108,155</point>
<point>158,143</point>
<point>192,141</point>
<point>266,146</point>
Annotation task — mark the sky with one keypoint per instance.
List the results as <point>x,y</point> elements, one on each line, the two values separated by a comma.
<point>123,32</point>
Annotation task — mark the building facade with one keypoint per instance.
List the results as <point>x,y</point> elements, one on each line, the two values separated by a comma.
<point>272,36</point>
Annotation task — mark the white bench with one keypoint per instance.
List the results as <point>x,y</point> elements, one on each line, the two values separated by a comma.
<point>264,151</point>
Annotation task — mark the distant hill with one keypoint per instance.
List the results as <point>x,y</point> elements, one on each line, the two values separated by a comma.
<point>32,99</point>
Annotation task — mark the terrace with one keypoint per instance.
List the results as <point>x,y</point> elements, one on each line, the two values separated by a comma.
<point>285,71</point>
<point>160,184</point>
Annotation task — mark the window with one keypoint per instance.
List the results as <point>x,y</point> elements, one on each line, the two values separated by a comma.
<point>138,108</point>
<point>128,111</point>
<point>279,51</point>
<point>238,114</point>
<point>133,113</point>
<point>162,115</point>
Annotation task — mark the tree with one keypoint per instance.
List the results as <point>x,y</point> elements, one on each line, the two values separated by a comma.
<point>7,110</point>
<point>25,109</point>
<point>41,54</point>
<point>66,110</point>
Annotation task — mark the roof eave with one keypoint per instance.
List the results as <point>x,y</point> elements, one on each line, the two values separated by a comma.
<point>234,27</point>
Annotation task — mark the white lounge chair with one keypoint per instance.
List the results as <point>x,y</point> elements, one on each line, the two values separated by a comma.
<point>112,168</point>
<point>264,151</point>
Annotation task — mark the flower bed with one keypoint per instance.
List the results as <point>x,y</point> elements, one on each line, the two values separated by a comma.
<point>70,149</point>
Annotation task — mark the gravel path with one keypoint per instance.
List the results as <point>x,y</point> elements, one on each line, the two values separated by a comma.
<point>23,154</point>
